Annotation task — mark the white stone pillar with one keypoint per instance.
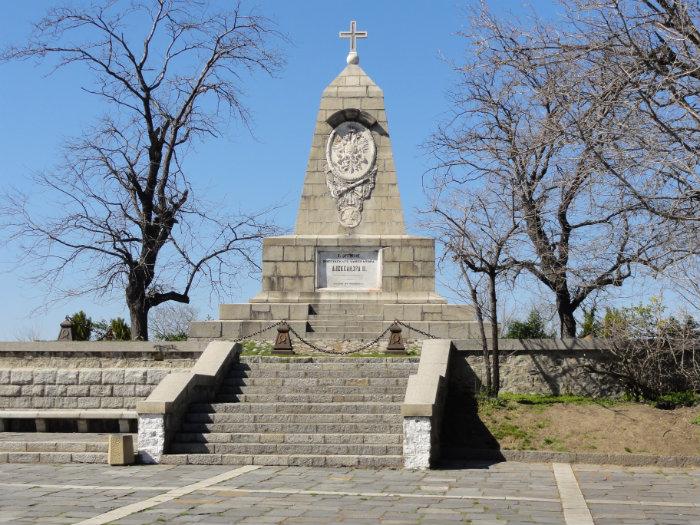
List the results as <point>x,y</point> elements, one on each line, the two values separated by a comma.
<point>416,442</point>
<point>151,437</point>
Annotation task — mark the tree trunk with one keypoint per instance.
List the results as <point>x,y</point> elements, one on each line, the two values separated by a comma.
<point>495,362</point>
<point>567,321</point>
<point>484,344</point>
<point>138,309</point>
<point>139,322</point>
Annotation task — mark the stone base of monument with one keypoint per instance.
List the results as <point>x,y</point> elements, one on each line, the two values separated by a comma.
<point>339,321</point>
<point>344,287</point>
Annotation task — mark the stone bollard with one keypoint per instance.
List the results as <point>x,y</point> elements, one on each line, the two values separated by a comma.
<point>396,345</point>
<point>121,449</point>
<point>283,343</point>
<point>66,333</point>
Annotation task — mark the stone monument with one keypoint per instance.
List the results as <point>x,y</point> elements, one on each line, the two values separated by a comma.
<point>350,269</point>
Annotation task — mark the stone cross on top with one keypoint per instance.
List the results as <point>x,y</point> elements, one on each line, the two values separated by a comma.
<point>353,35</point>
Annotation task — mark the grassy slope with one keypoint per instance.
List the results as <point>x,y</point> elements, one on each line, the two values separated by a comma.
<point>577,424</point>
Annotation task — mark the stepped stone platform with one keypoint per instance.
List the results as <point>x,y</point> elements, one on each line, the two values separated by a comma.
<point>348,320</point>
<point>53,447</point>
<point>303,411</point>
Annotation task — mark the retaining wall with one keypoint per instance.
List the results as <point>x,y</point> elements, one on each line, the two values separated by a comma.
<point>541,366</point>
<point>86,375</point>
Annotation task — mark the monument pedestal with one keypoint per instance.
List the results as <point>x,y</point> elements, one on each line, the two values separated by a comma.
<point>350,270</point>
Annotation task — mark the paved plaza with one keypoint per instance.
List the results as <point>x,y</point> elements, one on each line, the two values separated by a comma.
<point>505,493</point>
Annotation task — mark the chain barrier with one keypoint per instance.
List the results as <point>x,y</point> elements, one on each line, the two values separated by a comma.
<point>336,352</point>
<point>248,336</point>
<point>421,332</point>
<point>340,352</point>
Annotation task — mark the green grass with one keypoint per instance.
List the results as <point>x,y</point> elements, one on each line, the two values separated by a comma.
<point>509,430</point>
<point>555,444</point>
<point>543,399</point>
<point>538,402</point>
<point>677,399</point>
<point>696,421</point>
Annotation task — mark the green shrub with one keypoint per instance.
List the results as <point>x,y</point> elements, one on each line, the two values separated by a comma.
<point>532,328</point>
<point>82,326</point>
<point>180,336</point>
<point>115,330</point>
<point>651,354</point>
<point>120,330</point>
<point>590,325</point>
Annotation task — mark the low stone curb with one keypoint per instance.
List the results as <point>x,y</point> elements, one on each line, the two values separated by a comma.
<point>545,456</point>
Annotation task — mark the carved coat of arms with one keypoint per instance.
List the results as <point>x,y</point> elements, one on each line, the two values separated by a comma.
<point>351,157</point>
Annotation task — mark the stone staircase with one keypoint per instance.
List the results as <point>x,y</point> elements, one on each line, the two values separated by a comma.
<point>300,411</point>
<point>345,321</point>
<point>54,447</point>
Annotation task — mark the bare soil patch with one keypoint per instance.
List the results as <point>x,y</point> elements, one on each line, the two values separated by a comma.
<point>604,427</point>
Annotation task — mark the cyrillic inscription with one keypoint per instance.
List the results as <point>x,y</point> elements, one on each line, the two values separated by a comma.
<point>348,269</point>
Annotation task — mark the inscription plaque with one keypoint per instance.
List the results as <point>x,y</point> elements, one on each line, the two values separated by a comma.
<point>348,269</point>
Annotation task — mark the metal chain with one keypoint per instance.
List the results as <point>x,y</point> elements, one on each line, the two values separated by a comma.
<point>421,332</point>
<point>334,352</point>
<point>341,352</point>
<point>248,336</point>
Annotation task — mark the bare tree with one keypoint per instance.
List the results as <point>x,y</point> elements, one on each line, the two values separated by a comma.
<point>171,320</point>
<point>650,51</point>
<point>167,70</point>
<point>524,125</point>
<point>479,231</point>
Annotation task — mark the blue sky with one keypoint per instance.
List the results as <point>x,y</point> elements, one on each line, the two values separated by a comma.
<point>406,52</point>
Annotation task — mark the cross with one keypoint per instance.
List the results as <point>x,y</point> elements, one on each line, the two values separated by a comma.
<point>353,35</point>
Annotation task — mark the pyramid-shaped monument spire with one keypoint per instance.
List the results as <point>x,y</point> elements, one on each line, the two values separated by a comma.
<point>350,186</point>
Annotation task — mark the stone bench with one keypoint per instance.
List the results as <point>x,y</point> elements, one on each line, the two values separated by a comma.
<point>80,416</point>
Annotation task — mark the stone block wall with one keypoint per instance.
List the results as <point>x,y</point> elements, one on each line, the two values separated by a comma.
<point>87,375</point>
<point>289,263</point>
<point>77,388</point>
<point>552,367</point>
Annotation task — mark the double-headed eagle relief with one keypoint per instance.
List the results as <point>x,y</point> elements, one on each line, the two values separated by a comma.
<point>351,158</point>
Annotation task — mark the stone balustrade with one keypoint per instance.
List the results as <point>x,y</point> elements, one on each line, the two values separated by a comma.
<point>424,404</point>
<point>159,416</point>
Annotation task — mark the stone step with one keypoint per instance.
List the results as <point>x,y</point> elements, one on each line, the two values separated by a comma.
<point>347,335</point>
<point>345,308</point>
<point>53,446</point>
<point>316,383</point>
<point>349,326</point>
<point>311,389</point>
<point>223,397</point>
<point>332,427</point>
<point>295,408</point>
<point>203,417</point>
<point>310,460</point>
<point>296,438</point>
<point>320,373</point>
<point>343,316</point>
<point>327,359</point>
<point>284,448</point>
<point>53,457</point>
<point>360,366</point>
